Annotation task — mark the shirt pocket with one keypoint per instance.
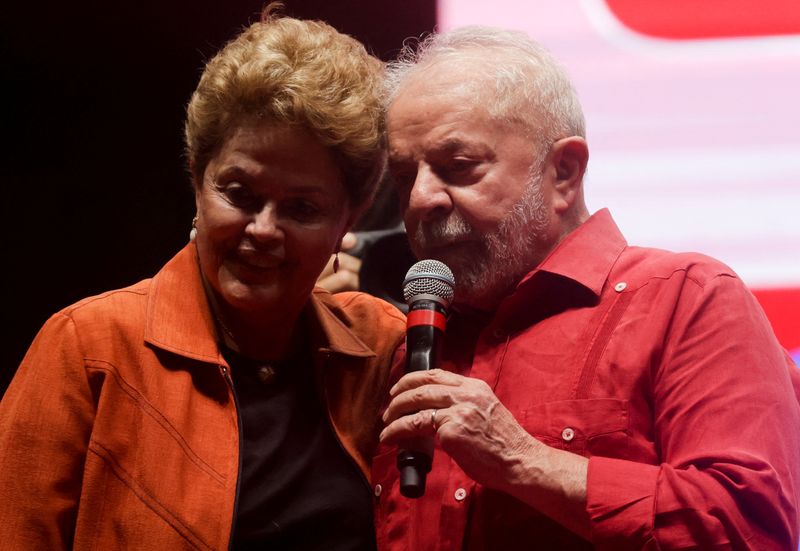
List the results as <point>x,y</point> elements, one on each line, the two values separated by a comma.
<point>586,427</point>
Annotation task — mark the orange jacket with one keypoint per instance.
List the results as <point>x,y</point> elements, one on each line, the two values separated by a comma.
<point>119,429</point>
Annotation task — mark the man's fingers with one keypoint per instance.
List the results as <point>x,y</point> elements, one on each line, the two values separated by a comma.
<point>420,378</point>
<point>349,241</point>
<point>417,399</point>
<point>340,282</point>
<point>349,262</point>
<point>421,423</point>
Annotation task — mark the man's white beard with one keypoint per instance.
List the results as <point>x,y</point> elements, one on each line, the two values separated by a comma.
<point>488,267</point>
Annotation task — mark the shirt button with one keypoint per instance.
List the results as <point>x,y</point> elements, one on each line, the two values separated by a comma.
<point>378,490</point>
<point>619,287</point>
<point>460,494</point>
<point>567,434</point>
<point>499,333</point>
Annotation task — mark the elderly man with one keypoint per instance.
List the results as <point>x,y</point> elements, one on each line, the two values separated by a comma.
<point>593,394</point>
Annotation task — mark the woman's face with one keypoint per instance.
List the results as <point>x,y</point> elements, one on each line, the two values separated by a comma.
<point>271,209</point>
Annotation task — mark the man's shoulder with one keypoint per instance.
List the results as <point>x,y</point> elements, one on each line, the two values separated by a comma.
<point>644,264</point>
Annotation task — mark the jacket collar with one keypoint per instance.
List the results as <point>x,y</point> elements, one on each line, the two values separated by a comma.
<point>179,319</point>
<point>178,316</point>
<point>325,314</point>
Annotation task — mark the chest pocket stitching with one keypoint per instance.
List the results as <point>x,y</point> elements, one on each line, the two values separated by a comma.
<point>579,358</point>
<point>608,323</point>
<point>500,364</point>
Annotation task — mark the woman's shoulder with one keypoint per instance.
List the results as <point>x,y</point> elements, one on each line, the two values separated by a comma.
<point>372,321</point>
<point>356,306</point>
<point>126,306</point>
<point>378,324</point>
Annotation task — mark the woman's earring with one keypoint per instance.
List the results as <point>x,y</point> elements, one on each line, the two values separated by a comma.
<point>336,263</point>
<point>193,231</point>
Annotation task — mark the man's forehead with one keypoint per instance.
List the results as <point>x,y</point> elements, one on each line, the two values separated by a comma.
<point>446,127</point>
<point>455,76</point>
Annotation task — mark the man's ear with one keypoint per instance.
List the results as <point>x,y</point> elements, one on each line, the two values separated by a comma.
<point>569,157</point>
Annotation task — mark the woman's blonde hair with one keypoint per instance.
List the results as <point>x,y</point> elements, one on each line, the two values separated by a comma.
<point>293,72</point>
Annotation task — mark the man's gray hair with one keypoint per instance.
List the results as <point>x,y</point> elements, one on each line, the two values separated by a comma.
<point>531,87</point>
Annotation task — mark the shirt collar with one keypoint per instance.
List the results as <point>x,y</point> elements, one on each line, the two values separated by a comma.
<point>179,319</point>
<point>587,254</point>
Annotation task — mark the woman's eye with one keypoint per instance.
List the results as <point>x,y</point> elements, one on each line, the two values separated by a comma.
<point>239,196</point>
<point>303,210</point>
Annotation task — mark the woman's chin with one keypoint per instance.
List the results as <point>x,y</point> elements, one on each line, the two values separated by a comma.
<point>260,297</point>
<point>249,297</point>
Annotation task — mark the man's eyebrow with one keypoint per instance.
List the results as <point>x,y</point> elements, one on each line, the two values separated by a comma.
<point>450,145</point>
<point>455,145</point>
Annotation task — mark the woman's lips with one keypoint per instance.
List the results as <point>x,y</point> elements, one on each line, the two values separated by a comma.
<point>258,261</point>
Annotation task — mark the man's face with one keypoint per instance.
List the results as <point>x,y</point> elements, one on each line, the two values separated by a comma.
<point>471,188</point>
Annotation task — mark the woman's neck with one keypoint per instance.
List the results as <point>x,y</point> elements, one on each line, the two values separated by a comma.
<point>260,336</point>
<point>269,336</point>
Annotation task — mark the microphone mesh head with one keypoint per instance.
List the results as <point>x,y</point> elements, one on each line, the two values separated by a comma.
<point>429,277</point>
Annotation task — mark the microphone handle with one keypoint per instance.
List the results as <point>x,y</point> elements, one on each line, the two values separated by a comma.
<point>423,352</point>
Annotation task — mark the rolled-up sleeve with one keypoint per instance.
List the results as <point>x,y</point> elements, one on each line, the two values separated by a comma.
<point>727,427</point>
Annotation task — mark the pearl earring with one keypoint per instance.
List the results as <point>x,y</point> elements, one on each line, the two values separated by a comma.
<point>193,231</point>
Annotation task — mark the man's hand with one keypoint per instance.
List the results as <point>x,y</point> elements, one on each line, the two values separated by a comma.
<point>474,428</point>
<point>487,442</point>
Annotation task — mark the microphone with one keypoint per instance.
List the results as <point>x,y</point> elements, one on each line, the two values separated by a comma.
<point>428,290</point>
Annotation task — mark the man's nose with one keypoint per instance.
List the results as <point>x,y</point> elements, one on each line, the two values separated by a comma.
<point>429,198</point>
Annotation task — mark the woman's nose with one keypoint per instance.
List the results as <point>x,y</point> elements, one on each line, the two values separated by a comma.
<point>265,225</point>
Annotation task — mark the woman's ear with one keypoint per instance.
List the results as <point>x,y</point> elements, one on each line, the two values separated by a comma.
<point>197,186</point>
<point>346,239</point>
<point>569,157</point>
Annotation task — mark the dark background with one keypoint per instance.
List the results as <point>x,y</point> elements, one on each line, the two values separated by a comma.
<point>95,191</point>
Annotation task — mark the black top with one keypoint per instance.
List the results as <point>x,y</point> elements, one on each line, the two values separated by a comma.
<point>299,489</point>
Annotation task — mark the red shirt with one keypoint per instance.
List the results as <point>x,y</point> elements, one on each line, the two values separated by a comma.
<point>659,367</point>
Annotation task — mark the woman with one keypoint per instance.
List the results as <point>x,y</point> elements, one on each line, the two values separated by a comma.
<point>224,402</point>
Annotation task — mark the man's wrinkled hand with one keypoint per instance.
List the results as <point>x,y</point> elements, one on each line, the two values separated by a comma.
<point>472,425</point>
